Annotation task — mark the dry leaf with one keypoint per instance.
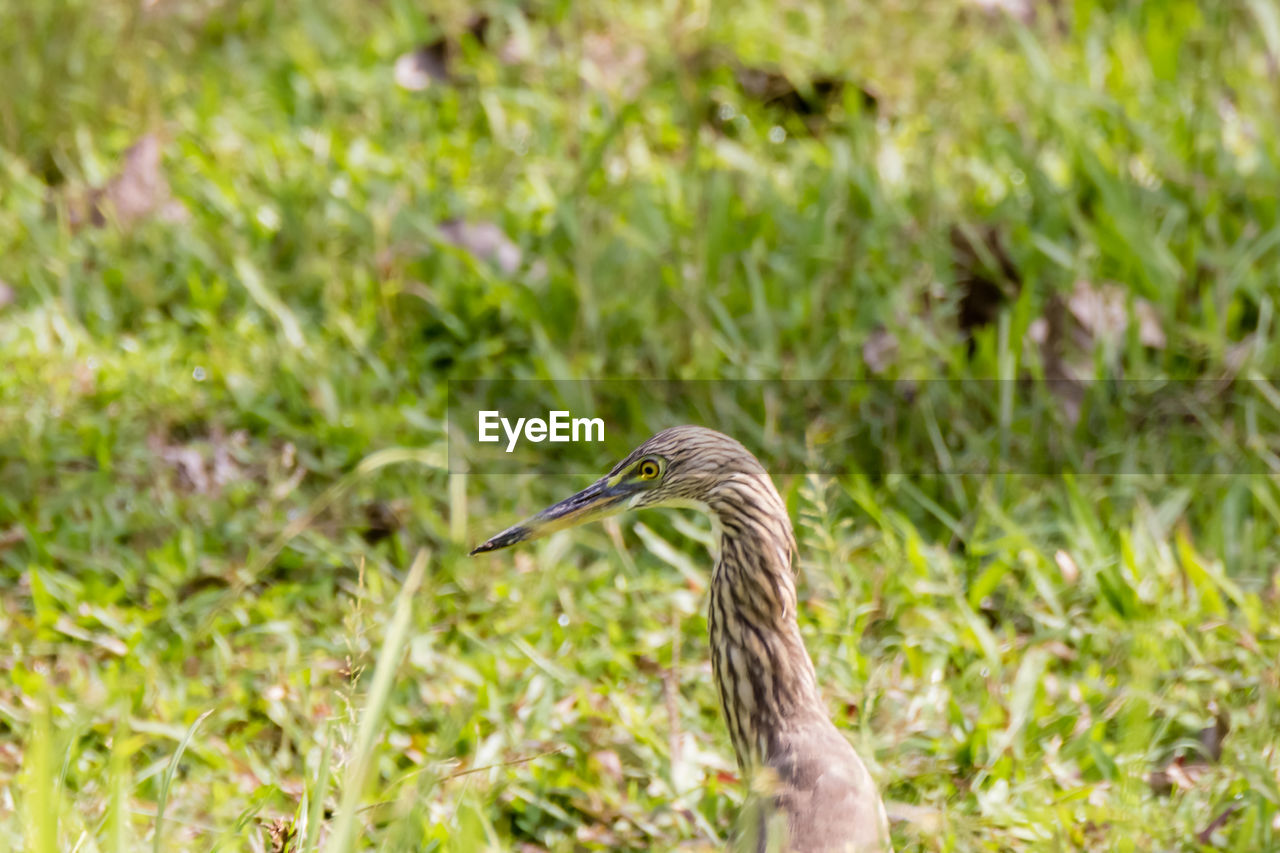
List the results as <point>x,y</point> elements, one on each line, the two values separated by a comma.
<point>1100,311</point>
<point>1073,327</point>
<point>432,63</point>
<point>1205,836</point>
<point>1211,736</point>
<point>1067,565</point>
<point>204,467</point>
<point>419,68</point>
<point>1179,774</point>
<point>607,764</point>
<point>12,536</point>
<point>879,350</point>
<point>1150,332</point>
<point>138,192</point>
<point>1183,772</point>
<point>282,832</point>
<point>1103,314</point>
<point>483,240</point>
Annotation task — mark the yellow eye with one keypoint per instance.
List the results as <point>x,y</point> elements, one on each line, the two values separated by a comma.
<point>648,470</point>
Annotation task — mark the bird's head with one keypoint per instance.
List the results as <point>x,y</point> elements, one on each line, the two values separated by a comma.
<point>681,466</point>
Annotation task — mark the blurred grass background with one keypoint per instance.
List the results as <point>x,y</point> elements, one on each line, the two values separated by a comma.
<point>244,245</point>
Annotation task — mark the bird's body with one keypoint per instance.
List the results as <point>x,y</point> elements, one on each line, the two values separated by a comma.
<point>768,690</point>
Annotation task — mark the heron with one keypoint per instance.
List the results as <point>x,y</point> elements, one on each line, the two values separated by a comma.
<point>817,793</point>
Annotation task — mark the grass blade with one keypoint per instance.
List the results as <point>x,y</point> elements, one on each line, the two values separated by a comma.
<point>375,705</point>
<point>167,781</point>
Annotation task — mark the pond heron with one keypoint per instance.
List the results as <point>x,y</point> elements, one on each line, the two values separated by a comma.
<point>817,794</point>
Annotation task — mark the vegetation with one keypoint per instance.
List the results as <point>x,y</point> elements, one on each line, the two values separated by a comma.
<point>243,252</point>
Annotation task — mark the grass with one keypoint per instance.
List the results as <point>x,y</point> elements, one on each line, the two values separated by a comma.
<point>223,427</point>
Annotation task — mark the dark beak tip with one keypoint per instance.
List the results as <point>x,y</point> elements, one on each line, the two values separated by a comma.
<point>504,539</point>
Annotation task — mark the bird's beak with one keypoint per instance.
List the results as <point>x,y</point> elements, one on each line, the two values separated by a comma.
<point>599,500</point>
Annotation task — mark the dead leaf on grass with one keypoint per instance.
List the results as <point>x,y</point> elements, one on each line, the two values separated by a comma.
<point>1184,770</point>
<point>204,467</point>
<point>1180,774</point>
<point>485,241</point>
<point>1150,331</point>
<point>1100,311</point>
<point>1205,836</point>
<point>1101,314</point>
<point>433,63</point>
<point>423,66</point>
<point>282,833</point>
<point>140,191</point>
<point>879,351</point>
<point>607,763</point>
<point>1067,565</point>
<point>12,536</point>
<point>1075,325</point>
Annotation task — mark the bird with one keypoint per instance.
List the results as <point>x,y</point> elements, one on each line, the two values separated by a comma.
<point>816,795</point>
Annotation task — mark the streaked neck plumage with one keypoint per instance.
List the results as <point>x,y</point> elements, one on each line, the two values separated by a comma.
<point>763,672</point>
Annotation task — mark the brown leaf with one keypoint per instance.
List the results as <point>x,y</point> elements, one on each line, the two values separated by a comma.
<point>281,831</point>
<point>1103,315</point>
<point>485,241</point>
<point>607,764</point>
<point>138,192</point>
<point>203,467</point>
<point>1073,326</point>
<point>432,63</point>
<point>1184,771</point>
<point>879,350</point>
<point>421,67</point>
<point>1205,836</point>
<point>1150,332</point>
<point>1179,774</point>
<point>1211,736</point>
<point>1100,311</point>
<point>12,536</point>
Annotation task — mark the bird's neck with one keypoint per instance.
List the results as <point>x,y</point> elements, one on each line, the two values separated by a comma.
<point>762,669</point>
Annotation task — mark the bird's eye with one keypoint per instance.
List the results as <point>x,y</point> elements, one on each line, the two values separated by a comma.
<point>648,470</point>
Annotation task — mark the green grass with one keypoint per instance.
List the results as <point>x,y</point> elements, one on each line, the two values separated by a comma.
<point>223,436</point>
